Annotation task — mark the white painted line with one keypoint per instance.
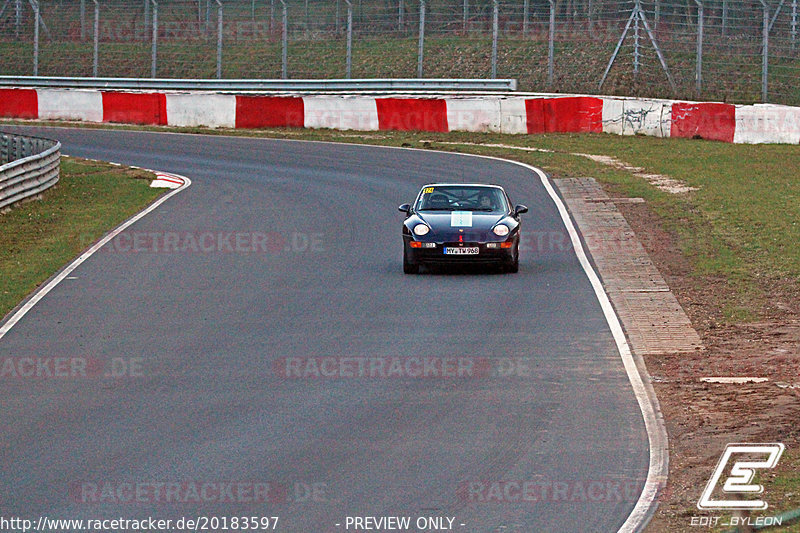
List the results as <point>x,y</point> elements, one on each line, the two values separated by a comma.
<point>42,292</point>
<point>736,380</point>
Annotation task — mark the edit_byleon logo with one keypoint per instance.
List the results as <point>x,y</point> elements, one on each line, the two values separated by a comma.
<point>746,459</point>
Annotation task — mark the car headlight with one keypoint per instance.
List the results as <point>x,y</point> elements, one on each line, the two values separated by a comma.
<point>501,230</point>
<point>421,229</point>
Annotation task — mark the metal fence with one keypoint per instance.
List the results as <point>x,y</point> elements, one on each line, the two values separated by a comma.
<point>28,166</point>
<point>740,51</point>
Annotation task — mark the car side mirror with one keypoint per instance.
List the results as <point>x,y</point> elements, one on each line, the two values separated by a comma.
<point>518,210</point>
<point>405,208</point>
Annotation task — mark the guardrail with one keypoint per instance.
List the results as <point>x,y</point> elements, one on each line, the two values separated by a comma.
<point>28,166</point>
<point>161,84</point>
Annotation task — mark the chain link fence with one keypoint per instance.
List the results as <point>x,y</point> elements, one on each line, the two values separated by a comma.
<point>736,51</point>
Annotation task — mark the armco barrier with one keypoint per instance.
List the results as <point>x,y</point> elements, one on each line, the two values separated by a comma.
<point>28,166</point>
<point>514,114</point>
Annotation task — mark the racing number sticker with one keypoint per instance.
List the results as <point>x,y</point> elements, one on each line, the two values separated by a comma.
<point>427,190</point>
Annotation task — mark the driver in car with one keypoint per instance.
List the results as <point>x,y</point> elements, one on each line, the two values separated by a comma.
<point>485,201</point>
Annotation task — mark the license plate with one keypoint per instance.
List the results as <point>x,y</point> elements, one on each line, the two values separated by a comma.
<point>472,250</point>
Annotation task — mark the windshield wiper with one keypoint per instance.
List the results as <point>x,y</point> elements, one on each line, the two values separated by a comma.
<point>442,209</point>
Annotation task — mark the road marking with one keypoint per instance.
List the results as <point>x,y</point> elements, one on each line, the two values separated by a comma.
<point>734,380</point>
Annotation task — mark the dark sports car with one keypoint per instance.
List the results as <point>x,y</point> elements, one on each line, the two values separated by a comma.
<point>454,223</point>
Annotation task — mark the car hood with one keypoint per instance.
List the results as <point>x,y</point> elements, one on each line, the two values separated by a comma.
<point>476,225</point>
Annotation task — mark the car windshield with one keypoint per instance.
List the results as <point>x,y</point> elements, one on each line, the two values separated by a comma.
<point>462,198</point>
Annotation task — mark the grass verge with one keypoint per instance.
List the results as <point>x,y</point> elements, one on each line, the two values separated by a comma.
<point>41,236</point>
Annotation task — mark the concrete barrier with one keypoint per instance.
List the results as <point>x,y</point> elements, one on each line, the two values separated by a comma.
<point>70,104</point>
<point>505,114</point>
<point>341,112</point>
<point>637,117</point>
<point>765,123</point>
<point>712,121</point>
<point>135,108</point>
<point>198,109</point>
<point>513,116</point>
<point>19,103</point>
<point>571,114</point>
<point>474,114</point>
<point>269,112</point>
<point>412,114</point>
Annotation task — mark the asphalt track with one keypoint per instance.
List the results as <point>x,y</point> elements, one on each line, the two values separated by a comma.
<point>207,327</point>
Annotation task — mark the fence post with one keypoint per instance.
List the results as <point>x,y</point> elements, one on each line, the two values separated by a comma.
<point>724,17</point>
<point>465,13</point>
<point>421,46</point>
<point>17,17</point>
<point>551,44</point>
<point>699,71</point>
<point>794,23</point>
<point>349,38</point>
<point>83,20</point>
<point>400,13</point>
<point>765,52</point>
<point>285,42</point>
<point>219,39</point>
<point>495,32</point>
<point>656,14</point>
<point>154,52</point>
<point>526,13</point>
<point>636,50</point>
<point>35,5</point>
<point>96,37</point>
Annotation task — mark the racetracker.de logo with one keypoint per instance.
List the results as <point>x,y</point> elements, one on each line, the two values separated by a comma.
<point>35,367</point>
<point>412,367</point>
<point>208,242</point>
<point>196,491</point>
<point>549,490</point>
